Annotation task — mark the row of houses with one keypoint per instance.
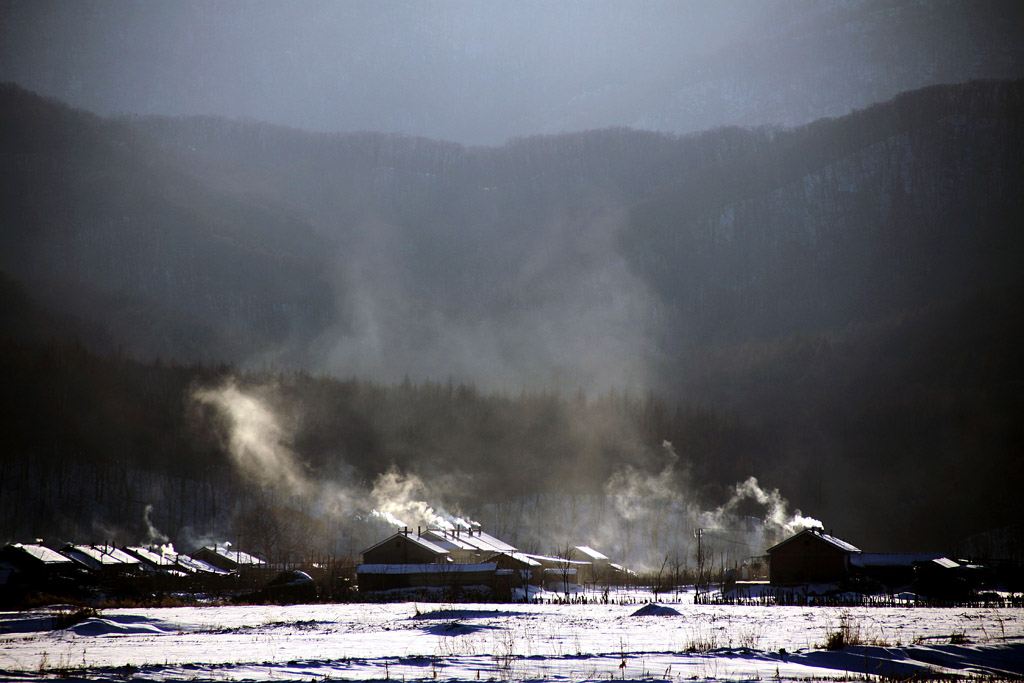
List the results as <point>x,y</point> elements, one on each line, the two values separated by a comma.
<point>815,557</point>
<point>35,564</point>
<point>471,560</point>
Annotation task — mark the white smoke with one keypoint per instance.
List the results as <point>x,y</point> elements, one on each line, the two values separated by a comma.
<point>777,516</point>
<point>153,535</point>
<point>654,517</point>
<point>397,498</point>
<point>640,518</point>
<point>256,442</point>
<point>260,448</point>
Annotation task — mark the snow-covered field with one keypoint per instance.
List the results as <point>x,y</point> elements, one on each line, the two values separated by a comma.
<point>416,641</point>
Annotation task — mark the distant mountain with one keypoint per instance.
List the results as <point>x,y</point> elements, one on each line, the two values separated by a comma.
<point>798,62</point>
<point>100,224</point>
<point>592,259</point>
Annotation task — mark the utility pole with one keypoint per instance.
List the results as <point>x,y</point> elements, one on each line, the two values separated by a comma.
<point>699,533</point>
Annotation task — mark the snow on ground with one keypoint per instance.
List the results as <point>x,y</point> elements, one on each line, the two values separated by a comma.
<point>461,642</point>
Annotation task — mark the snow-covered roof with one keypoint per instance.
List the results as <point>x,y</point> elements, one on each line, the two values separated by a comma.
<point>551,559</point>
<point>522,557</point>
<point>946,563</point>
<point>193,565</point>
<point>42,553</point>
<point>118,554</point>
<point>591,553</point>
<point>466,540</point>
<point>90,556</point>
<point>426,568</point>
<point>153,557</point>
<point>448,543</point>
<point>237,556</point>
<point>425,543</point>
<point>818,533</point>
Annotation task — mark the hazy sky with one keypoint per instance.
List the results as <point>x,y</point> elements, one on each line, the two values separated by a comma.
<point>479,71</point>
<point>464,69</point>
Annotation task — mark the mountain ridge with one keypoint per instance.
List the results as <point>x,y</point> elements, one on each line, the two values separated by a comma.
<point>640,244</point>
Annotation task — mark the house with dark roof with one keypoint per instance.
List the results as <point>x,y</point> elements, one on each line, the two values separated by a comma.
<point>811,556</point>
<point>523,567</point>
<point>889,570</point>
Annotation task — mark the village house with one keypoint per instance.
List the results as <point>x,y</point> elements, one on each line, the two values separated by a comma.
<point>129,563</point>
<point>96,559</point>
<point>525,569</point>
<point>889,570</point>
<point>389,564</point>
<point>564,570</point>
<point>35,559</point>
<point>600,566</point>
<point>811,556</point>
<point>33,565</point>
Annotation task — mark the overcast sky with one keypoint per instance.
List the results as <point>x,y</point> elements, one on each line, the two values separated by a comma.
<point>471,70</point>
<point>481,71</point>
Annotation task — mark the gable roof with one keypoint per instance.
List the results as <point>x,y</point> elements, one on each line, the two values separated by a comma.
<point>591,553</point>
<point>118,554</point>
<point>89,556</point>
<point>822,536</point>
<point>192,565</point>
<point>474,540</point>
<point>522,558</point>
<point>424,543</point>
<point>41,553</point>
<point>236,557</point>
<point>559,561</point>
<point>155,558</point>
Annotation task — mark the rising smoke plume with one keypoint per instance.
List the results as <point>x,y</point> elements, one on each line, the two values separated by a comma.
<point>777,517</point>
<point>153,535</point>
<point>257,444</point>
<point>260,448</point>
<point>640,518</point>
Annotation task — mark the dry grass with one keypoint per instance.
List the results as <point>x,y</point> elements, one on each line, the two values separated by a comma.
<point>849,633</point>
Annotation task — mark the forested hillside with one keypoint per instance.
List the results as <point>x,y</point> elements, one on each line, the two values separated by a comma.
<point>834,309</point>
